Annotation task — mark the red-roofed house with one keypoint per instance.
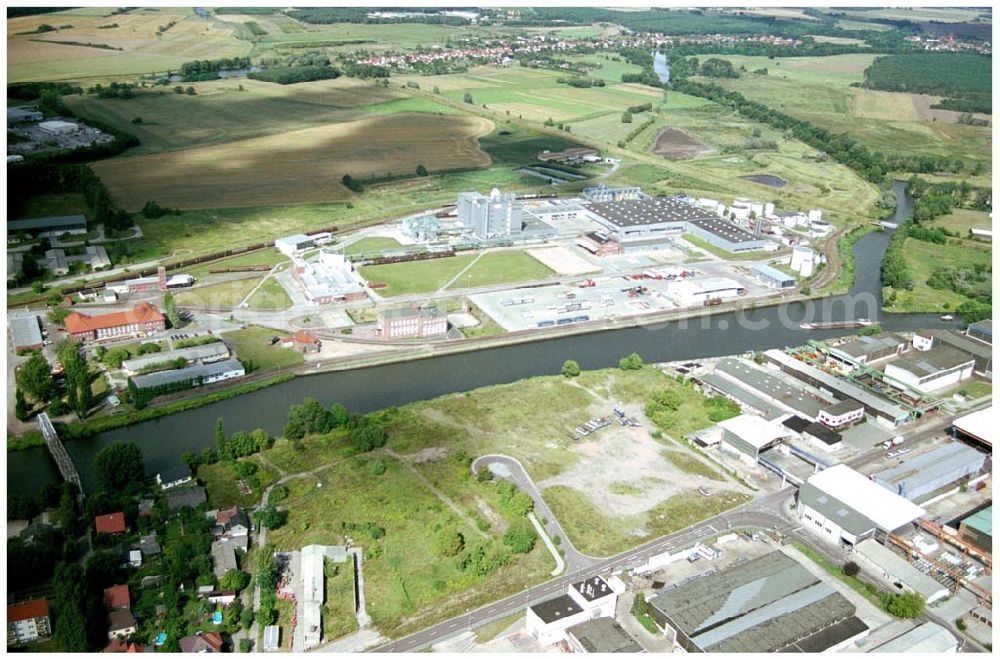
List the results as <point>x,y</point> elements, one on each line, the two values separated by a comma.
<point>117,597</point>
<point>302,341</point>
<point>28,621</point>
<point>140,320</point>
<point>110,523</point>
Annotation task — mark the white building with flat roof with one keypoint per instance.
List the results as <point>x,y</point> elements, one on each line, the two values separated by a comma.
<point>922,640</point>
<point>329,278</point>
<point>59,127</point>
<point>584,600</point>
<point>693,292</point>
<point>746,436</point>
<point>292,245</point>
<point>844,507</point>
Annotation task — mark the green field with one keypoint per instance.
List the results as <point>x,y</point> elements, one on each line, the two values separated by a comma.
<point>254,345</point>
<point>502,267</point>
<point>923,258</point>
<point>961,220</point>
<point>271,296</point>
<point>372,244</point>
<point>415,276</point>
<point>224,294</point>
<point>817,89</point>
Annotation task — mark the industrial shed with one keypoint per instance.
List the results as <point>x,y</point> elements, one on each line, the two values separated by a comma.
<point>747,436</point>
<point>763,605</point>
<point>928,638</point>
<point>977,427</point>
<point>772,277</point>
<point>921,475</point>
<point>931,370</point>
<point>893,568</point>
<point>843,507</point>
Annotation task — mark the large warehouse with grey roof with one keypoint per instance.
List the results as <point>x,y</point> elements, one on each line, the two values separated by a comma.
<point>767,604</point>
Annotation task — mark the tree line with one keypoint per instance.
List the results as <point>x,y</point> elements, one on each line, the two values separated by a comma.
<point>328,15</point>
<point>289,75</point>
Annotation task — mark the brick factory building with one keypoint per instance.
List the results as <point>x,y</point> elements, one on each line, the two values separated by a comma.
<point>141,320</point>
<point>411,322</point>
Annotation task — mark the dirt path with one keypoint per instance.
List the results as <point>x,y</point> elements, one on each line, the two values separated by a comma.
<point>438,493</point>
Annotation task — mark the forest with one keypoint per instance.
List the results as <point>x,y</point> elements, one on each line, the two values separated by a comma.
<point>964,78</point>
<point>328,15</point>
<point>288,75</point>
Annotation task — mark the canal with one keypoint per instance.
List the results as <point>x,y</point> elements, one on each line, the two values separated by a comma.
<point>163,440</point>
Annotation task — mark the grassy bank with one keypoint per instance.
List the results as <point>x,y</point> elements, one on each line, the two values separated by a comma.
<point>102,424</point>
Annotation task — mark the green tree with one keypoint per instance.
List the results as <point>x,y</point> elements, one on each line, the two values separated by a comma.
<point>378,467</point>
<point>626,117</point>
<point>35,377</point>
<point>467,97</point>
<point>631,363</point>
<point>904,605</point>
<point>449,542</point>
<point>119,466</point>
<point>338,416</point>
<point>20,406</point>
<point>270,517</point>
<point>570,369</point>
<point>170,309</point>
<point>234,580</point>
<point>421,170</point>
<point>520,537</point>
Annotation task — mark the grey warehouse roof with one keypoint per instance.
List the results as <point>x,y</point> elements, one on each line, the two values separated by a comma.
<point>207,351</point>
<point>409,312</point>
<point>720,383</point>
<point>726,230</point>
<point>859,346</point>
<point>843,407</point>
<point>828,637</point>
<point>646,212</point>
<point>937,359</point>
<point>191,372</point>
<point>604,635</point>
<point>25,331</point>
<point>786,393</point>
<point>762,605</point>
<point>954,458</point>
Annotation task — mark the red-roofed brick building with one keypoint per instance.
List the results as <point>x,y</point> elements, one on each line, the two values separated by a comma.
<point>117,597</point>
<point>140,320</point>
<point>302,341</point>
<point>110,523</point>
<point>28,621</point>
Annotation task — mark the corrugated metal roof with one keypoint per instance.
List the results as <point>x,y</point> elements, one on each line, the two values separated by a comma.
<point>981,521</point>
<point>953,461</point>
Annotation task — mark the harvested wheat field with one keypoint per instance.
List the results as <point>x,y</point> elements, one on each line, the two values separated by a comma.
<point>674,143</point>
<point>303,166</point>
<point>96,44</point>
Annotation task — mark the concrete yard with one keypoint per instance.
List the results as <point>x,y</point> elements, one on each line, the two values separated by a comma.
<point>558,304</point>
<point>565,260</point>
<point>618,455</point>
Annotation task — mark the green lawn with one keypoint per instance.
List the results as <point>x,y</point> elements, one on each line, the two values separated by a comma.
<point>502,267</point>
<point>224,294</point>
<point>254,344</point>
<point>220,484</point>
<point>271,296</point>
<point>415,276</point>
<point>372,244</point>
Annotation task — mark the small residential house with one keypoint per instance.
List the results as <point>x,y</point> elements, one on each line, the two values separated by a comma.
<point>110,523</point>
<point>302,341</point>
<point>231,523</point>
<point>121,622</point>
<point>202,642</point>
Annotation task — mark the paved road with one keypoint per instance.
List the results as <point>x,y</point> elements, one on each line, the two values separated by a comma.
<point>511,469</point>
<point>764,513</point>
